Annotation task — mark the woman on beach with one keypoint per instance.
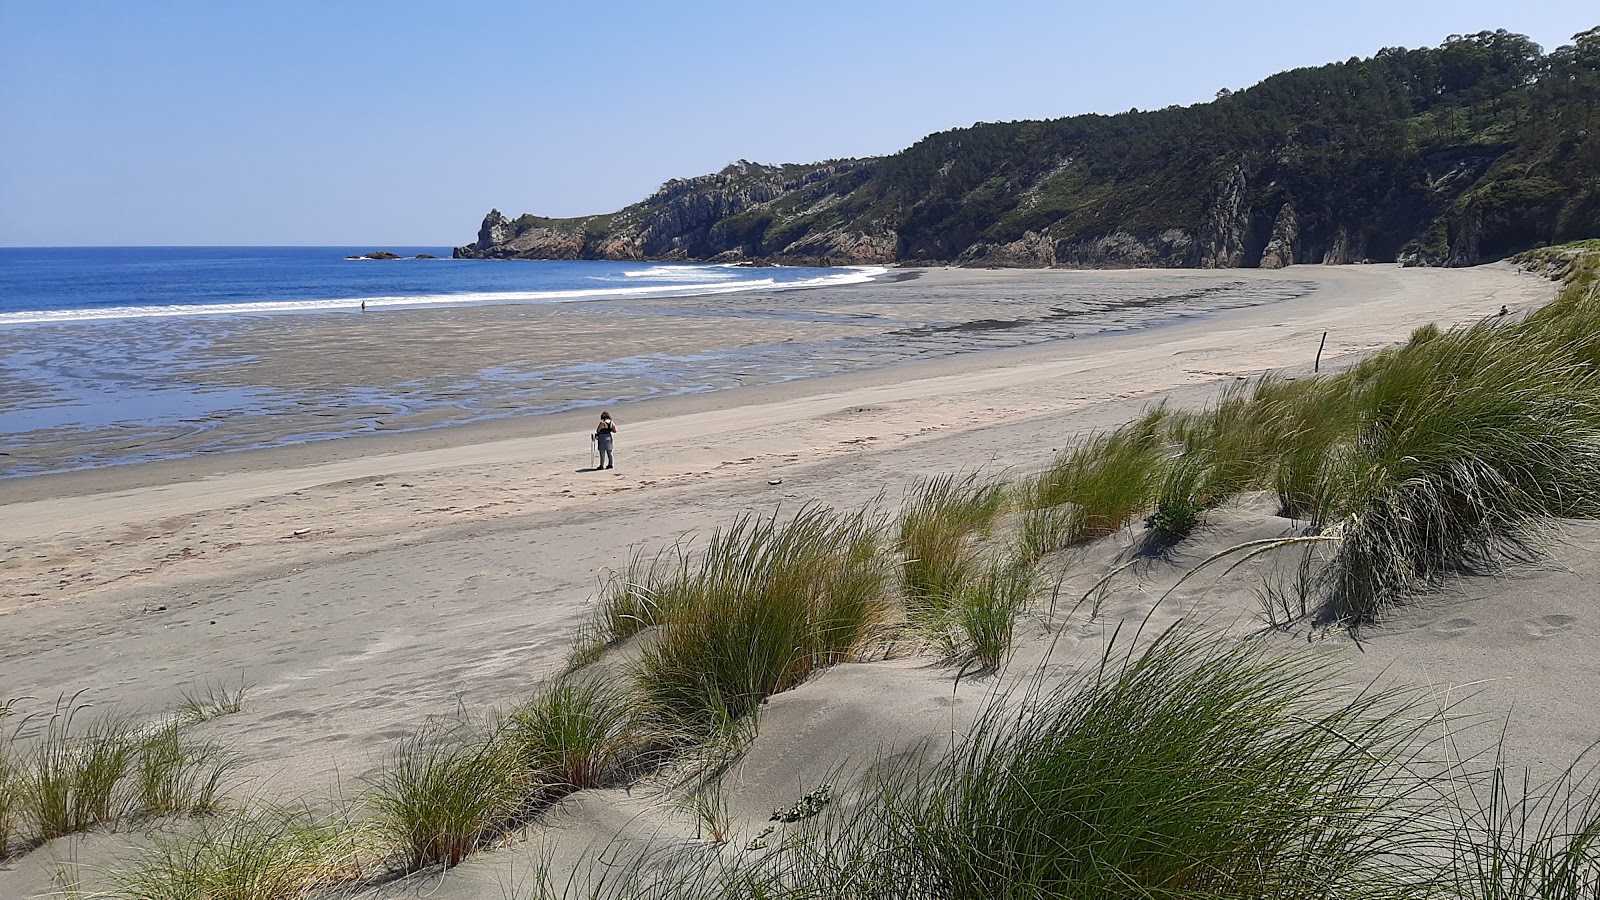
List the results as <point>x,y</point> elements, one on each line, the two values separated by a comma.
<point>602,439</point>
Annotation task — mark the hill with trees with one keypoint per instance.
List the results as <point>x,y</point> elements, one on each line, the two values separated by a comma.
<point>1452,155</point>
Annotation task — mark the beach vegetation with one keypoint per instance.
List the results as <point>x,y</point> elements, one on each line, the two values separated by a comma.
<point>767,604</point>
<point>1513,838</point>
<point>267,853</point>
<point>75,778</point>
<point>444,791</point>
<point>578,731</point>
<point>1466,448</point>
<point>212,701</point>
<point>939,522</point>
<point>176,774</point>
<point>1100,484</point>
<point>982,618</point>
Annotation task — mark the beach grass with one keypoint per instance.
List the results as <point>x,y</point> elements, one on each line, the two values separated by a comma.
<point>630,600</point>
<point>578,731</point>
<point>1196,767</point>
<point>1469,445</point>
<point>1098,486</point>
<point>766,605</point>
<point>445,791</point>
<point>212,701</point>
<point>983,617</point>
<point>175,774</point>
<point>74,778</point>
<point>265,854</point>
<point>12,783</point>
<point>939,519</point>
<point>1516,839</point>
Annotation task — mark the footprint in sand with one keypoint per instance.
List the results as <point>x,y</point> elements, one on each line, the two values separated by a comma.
<point>1548,626</point>
<point>1455,626</point>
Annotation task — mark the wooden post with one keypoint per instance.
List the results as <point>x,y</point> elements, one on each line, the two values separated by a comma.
<point>1317,366</point>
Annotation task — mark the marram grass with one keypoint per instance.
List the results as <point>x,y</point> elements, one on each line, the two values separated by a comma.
<point>766,605</point>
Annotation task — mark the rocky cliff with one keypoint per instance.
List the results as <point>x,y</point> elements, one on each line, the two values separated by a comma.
<point>1440,156</point>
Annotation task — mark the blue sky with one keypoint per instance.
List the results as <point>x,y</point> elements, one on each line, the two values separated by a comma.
<point>396,123</point>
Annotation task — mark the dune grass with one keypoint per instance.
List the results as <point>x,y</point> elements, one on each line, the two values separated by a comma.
<point>1520,840</point>
<point>266,854</point>
<point>631,600</point>
<point>938,522</point>
<point>444,792</point>
<point>11,783</point>
<point>1468,445</point>
<point>982,619</point>
<point>765,606</point>
<point>175,774</point>
<point>75,774</point>
<point>1095,488</point>
<point>212,701</point>
<point>1198,767</point>
<point>579,731</point>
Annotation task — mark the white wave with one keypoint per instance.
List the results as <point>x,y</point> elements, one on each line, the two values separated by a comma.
<point>851,275</point>
<point>680,273</point>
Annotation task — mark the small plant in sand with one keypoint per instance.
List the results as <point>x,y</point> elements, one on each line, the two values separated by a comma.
<point>1103,483</point>
<point>577,732</point>
<point>985,613</point>
<point>266,854</point>
<point>1517,839</point>
<point>767,604</point>
<point>938,521</point>
<point>178,775</point>
<point>444,792</point>
<point>75,773</point>
<point>1179,504</point>
<point>211,701</point>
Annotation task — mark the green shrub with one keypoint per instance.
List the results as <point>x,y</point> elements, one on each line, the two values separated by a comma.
<point>1179,501</point>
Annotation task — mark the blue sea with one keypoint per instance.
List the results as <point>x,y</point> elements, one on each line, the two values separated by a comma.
<point>75,284</point>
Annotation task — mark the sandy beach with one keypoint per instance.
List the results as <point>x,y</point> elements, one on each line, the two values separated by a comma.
<point>364,584</point>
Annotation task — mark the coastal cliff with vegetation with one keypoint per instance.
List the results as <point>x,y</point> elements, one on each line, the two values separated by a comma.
<point>1454,155</point>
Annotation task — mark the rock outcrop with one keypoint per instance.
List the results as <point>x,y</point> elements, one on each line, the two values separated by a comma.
<point>1279,251</point>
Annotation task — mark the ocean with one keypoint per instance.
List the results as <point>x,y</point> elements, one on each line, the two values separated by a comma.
<point>112,356</point>
<point>76,284</point>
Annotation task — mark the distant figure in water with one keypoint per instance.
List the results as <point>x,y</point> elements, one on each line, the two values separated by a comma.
<point>602,439</point>
<point>1503,309</point>
<point>363,306</point>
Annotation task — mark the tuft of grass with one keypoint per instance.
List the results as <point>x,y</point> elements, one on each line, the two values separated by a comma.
<point>1467,446</point>
<point>578,732</point>
<point>444,792</point>
<point>74,778</point>
<point>178,775</point>
<point>1103,482</point>
<point>630,600</point>
<point>937,522</point>
<point>212,701</point>
<point>766,605</point>
<point>267,854</point>
<point>1520,840</point>
<point>983,618</point>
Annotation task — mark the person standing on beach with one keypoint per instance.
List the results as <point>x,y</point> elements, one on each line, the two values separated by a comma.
<point>602,438</point>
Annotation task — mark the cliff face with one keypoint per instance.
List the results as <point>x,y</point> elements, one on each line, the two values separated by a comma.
<point>1446,156</point>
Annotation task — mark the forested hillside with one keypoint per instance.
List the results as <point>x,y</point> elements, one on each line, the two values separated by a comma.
<point>1475,149</point>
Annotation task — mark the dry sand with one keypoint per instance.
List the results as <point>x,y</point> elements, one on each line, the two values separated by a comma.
<point>364,585</point>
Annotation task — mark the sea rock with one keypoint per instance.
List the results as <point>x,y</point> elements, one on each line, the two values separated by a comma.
<point>426,256</point>
<point>377,254</point>
<point>1279,252</point>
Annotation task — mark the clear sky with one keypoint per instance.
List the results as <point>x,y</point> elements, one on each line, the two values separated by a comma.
<point>399,123</point>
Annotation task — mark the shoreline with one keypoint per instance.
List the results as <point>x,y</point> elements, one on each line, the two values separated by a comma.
<point>260,383</point>
<point>364,592</point>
